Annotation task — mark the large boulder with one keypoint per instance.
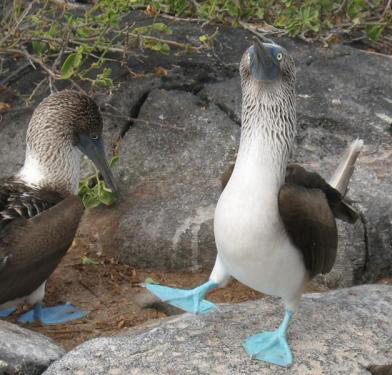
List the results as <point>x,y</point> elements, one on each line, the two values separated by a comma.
<point>170,163</point>
<point>24,352</point>
<point>338,332</point>
<point>177,132</point>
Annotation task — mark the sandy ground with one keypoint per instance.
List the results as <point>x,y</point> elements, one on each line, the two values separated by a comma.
<point>108,290</point>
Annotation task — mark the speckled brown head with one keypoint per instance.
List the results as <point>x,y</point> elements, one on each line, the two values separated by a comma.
<point>62,125</point>
<point>64,116</point>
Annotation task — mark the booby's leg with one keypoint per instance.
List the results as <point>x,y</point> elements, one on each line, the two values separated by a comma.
<point>271,346</point>
<point>193,300</point>
<point>52,315</point>
<point>7,312</point>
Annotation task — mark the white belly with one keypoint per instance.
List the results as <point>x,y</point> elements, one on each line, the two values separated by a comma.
<point>253,244</point>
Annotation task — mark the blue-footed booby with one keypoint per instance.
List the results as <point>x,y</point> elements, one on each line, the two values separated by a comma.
<point>39,207</point>
<point>274,224</point>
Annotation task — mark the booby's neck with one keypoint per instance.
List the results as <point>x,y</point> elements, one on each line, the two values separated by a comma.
<point>58,168</point>
<point>268,131</point>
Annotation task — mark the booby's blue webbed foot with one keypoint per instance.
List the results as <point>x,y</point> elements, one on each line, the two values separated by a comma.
<point>189,300</point>
<point>271,346</point>
<point>7,312</point>
<point>52,315</point>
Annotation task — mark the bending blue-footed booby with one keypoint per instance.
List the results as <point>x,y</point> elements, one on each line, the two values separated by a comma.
<point>274,224</point>
<point>39,208</point>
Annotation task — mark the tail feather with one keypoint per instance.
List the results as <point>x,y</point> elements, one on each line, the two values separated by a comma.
<point>342,175</point>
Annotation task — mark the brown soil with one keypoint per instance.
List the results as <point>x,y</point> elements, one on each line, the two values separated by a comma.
<point>107,290</point>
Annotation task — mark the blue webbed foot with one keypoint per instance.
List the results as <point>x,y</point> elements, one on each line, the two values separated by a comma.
<point>271,346</point>
<point>189,300</point>
<point>52,315</point>
<point>7,312</point>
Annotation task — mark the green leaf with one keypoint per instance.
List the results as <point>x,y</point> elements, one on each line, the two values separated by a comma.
<point>157,46</point>
<point>113,161</point>
<point>87,260</point>
<point>70,65</point>
<point>141,30</point>
<point>106,197</point>
<point>162,27</point>
<point>374,32</point>
<point>90,201</point>
<point>104,77</point>
<point>203,38</point>
<point>39,47</point>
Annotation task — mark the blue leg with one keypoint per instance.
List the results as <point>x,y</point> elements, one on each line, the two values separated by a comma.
<point>189,300</point>
<point>6,312</point>
<point>52,315</point>
<point>271,346</point>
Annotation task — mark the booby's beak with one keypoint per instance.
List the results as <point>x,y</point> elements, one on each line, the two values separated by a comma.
<point>263,64</point>
<point>94,150</point>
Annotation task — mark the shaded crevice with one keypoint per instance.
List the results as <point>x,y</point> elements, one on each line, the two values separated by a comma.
<point>134,113</point>
<point>226,110</point>
<point>193,88</point>
<point>185,81</point>
<point>366,242</point>
<point>181,83</point>
<point>229,113</point>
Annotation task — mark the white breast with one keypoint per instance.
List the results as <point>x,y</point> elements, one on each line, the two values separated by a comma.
<point>250,237</point>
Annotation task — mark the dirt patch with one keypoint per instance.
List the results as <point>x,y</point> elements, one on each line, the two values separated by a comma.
<point>108,289</point>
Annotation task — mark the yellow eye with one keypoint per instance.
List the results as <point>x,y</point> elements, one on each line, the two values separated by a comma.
<point>279,56</point>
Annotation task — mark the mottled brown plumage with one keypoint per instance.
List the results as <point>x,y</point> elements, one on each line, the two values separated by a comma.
<point>380,370</point>
<point>39,211</point>
<point>31,249</point>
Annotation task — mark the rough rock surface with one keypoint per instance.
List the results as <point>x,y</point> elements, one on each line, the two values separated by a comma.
<point>339,332</point>
<point>171,193</point>
<point>24,352</point>
<point>170,180</point>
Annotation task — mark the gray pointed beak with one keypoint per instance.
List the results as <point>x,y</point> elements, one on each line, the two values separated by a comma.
<point>262,64</point>
<point>94,150</point>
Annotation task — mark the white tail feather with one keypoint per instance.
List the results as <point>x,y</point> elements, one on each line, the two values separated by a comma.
<point>342,175</point>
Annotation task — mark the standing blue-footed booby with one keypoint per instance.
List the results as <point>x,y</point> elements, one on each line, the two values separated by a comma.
<point>39,208</point>
<point>274,224</point>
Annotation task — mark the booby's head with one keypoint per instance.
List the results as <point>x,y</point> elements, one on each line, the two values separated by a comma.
<point>268,103</point>
<point>267,66</point>
<point>63,125</point>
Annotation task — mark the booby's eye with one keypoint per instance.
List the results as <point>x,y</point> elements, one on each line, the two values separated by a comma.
<point>279,56</point>
<point>94,136</point>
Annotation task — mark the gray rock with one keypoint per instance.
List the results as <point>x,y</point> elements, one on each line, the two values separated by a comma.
<point>170,165</point>
<point>13,127</point>
<point>339,332</point>
<point>24,352</point>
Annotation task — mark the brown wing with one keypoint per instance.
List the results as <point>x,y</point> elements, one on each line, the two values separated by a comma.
<point>380,370</point>
<point>310,223</point>
<point>30,249</point>
<point>295,174</point>
<point>19,200</point>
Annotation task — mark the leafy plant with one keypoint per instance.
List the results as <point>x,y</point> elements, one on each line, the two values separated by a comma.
<point>313,19</point>
<point>87,260</point>
<point>93,190</point>
<point>74,45</point>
